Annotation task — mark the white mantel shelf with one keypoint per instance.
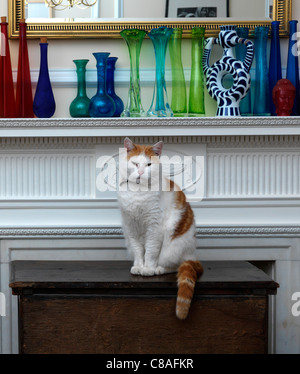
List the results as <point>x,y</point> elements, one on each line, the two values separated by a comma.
<point>179,126</point>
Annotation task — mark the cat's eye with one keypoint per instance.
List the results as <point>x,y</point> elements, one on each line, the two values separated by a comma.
<point>149,164</point>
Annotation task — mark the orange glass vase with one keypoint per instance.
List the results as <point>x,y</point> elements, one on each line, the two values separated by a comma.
<point>24,97</point>
<point>7,94</point>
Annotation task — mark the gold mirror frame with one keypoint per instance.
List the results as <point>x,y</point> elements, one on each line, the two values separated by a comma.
<point>282,11</point>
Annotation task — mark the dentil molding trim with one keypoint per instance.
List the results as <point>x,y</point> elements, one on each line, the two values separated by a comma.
<point>117,233</point>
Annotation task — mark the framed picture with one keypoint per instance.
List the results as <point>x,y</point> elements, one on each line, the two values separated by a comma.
<point>197,8</point>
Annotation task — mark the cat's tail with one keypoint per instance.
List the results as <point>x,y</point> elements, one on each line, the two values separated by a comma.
<point>187,275</point>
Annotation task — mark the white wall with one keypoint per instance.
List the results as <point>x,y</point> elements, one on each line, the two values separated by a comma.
<point>62,52</point>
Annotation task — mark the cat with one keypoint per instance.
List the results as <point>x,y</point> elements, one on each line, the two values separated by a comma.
<point>158,222</point>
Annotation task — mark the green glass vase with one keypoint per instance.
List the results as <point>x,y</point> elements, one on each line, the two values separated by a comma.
<point>178,100</point>
<point>80,105</point>
<point>196,96</point>
<point>134,39</point>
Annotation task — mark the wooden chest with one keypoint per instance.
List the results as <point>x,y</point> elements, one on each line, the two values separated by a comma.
<point>99,307</point>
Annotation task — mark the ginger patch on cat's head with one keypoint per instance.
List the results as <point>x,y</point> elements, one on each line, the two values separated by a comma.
<point>152,152</point>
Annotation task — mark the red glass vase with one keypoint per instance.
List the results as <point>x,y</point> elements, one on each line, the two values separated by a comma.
<point>7,94</point>
<point>24,98</point>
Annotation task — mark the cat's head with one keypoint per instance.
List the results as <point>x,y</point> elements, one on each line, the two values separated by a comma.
<point>142,162</point>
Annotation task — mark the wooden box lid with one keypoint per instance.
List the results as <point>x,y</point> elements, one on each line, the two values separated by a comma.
<point>113,277</point>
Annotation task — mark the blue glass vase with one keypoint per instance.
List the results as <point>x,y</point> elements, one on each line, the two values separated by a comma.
<point>240,51</point>
<point>160,105</point>
<point>44,102</point>
<point>261,105</point>
<point>275,72</point>
<point>110,82</point>
<point>101,105</point>
<point>292,73</point>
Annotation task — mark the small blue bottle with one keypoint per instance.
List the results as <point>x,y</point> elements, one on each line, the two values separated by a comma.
<point>110,86</point>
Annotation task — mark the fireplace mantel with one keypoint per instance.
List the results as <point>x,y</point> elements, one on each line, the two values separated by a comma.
<point>177,126</point>
<point>250,209</point>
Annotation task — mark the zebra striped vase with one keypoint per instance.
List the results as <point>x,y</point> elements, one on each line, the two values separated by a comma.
<point>228,98</point>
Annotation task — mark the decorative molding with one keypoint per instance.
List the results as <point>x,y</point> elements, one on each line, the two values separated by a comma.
<point>41,175</point>
<point>117,232</point>
<point>254,123</point>
<point>253,173</point>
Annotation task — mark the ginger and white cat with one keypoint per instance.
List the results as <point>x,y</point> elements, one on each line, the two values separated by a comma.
<point>158,222</point>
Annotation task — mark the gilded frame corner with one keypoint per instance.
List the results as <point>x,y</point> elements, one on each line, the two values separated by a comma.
<point>282,12</point>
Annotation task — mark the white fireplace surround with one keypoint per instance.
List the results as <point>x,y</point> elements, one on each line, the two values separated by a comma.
<point>51,210</point>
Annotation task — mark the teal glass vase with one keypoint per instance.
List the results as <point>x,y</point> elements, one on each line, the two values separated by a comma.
<point>240,51</point>
<point>261,105</point>
<point>275,72</point>
<point>80,105</point>
<point>178,101</point>
<point>196,94</point>
<point>160,106</point>
<point>134,39</point>
<point>101,104</point>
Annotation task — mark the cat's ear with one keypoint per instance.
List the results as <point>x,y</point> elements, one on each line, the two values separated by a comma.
<point>157,148</point>
<point>128,144</point>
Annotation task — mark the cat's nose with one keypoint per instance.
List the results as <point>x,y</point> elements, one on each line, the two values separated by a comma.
<point>141,171</point>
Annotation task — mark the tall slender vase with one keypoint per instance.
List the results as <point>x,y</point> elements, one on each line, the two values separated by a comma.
<point>196,96</point>
<point>24,98</point>
<point>240,49</point>
<point>178,102</point>
<point>101,105</point>
<point>110,81</point>
<point>80,105</point>
<point>292,73</point>
<point>275,72</point>
<point>134,39</point>
<point>160,105</point>
<point>44,102</point>
<point>261,105</point>
<point>7,95</point>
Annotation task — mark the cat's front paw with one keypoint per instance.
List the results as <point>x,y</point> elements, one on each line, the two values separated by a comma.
<point>136,270</point>
<point>160,270</point>
<point>148,272</point>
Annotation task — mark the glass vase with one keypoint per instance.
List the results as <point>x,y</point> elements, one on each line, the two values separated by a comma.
<point>196,95</point>
<point>44,102</point>
<point>80,105</point>
<point>24,98</point>
<point>275,72</point>
<point>7,95</point>
<point>178,101</point>
<point>240,50</point>
<point>160,105</point>
<point>134,39</point>
<point>261,105</point>
<point>110,81</point>
<point>292,73</point>
<point>101,105</point>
